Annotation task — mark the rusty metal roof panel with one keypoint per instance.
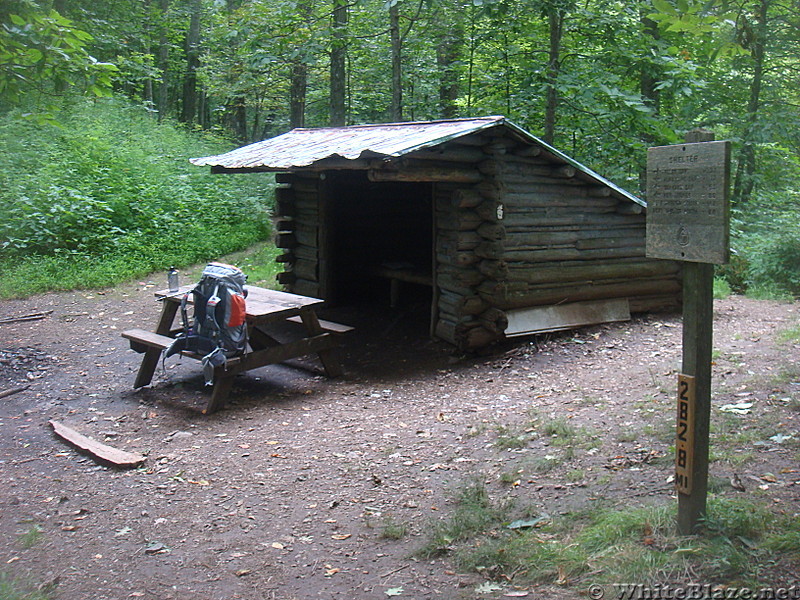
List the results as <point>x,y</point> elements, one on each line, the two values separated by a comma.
<point>304,147</point>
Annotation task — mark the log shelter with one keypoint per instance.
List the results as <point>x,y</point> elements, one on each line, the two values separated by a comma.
<point>501,233</point>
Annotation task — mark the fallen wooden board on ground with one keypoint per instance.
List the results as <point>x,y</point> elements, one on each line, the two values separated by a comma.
<point>14,390</point>
<point>31,317</point>
<point>102,452</point>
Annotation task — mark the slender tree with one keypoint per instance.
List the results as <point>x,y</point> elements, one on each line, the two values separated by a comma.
<point>189,97</point>
<point>298,86</point>
<point>338,67</point>
<point>162,61</point>
<point>396,111</point>
<point>450,44</point>
<point>756,40</point>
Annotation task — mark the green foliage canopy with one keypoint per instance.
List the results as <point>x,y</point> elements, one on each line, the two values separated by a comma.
<point>42,54</point>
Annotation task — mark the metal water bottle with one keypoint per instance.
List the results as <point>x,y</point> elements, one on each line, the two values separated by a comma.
<point>172,280</point>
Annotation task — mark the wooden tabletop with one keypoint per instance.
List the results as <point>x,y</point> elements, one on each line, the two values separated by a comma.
<point>261,304</point>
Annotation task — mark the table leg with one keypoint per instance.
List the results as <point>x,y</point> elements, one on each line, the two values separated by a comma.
<point>223,382</point>
<point>152,355</point>
<point>330,361</point>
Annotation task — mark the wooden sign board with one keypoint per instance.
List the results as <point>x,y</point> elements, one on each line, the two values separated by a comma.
<point>684,437</point>
<point>688,215</point>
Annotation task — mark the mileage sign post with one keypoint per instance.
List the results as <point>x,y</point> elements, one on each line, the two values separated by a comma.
<point>688,219</point>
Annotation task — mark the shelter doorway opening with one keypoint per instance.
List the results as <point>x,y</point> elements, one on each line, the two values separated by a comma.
<point>380,246</point>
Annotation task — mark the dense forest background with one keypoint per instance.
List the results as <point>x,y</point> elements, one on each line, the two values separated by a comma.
<point>601,81</point>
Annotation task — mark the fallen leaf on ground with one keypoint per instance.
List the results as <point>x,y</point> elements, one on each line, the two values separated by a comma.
<point>527,523</point>
<point>742,408</point>
<point>156,548</point>
<point>488,587</point>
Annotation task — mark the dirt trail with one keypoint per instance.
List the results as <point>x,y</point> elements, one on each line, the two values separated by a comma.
<point>293,489</point>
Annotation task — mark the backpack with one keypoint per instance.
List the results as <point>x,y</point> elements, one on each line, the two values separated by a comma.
<point>218,330</point>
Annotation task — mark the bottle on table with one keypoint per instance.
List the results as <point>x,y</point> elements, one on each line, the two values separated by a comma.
<point>172,280</point>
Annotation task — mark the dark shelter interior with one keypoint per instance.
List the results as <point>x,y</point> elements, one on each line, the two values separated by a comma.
<point>373,226</point>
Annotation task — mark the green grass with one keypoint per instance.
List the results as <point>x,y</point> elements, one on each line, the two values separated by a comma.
<point>769,292</point>
<point>563,433</point>
<point>473,513</point>
<point>31,537</point>
<point>16,589</point>
<point>392,529</point>
<point>509,437</point>
<point>740,544</point>
<point>575,475</point>
<point>789,336</point>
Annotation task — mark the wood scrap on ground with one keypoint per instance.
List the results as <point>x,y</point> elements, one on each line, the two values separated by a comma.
<point>97,450</point>
<point>12,391</point>
<point>23,318</point>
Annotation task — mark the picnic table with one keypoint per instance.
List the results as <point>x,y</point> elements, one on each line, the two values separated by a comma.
<point>264,308</point>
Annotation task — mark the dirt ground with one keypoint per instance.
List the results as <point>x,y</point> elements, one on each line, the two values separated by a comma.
<point>287,492</point>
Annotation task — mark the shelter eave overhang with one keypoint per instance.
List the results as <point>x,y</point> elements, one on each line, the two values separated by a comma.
<point>363,147</point>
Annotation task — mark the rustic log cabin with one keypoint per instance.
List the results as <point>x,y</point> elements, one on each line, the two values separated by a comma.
<point>504,234</point>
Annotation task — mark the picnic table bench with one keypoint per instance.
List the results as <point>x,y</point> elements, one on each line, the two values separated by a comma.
<point>263,308</point>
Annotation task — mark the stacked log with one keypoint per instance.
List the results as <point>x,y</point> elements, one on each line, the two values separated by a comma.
<point>535,231</point>
<point>465,216</point>
<point>297,226</point>
<point>566,239</point>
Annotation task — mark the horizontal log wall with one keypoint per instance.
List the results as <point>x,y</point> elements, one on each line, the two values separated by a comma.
<point>531,232</point>
<point>562,238</point>
<point>297,229</point>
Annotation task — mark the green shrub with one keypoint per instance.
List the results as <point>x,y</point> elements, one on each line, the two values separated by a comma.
<point>110,195</point>
<point>775,262</point>
<point>722,288</point>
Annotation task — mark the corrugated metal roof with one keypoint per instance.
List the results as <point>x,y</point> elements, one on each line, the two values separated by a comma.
<point>300,148</point>
<point>304,147</point>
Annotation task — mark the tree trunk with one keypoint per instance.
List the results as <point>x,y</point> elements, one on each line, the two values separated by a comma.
<point>448,53</point>
<point>299,77</point>
<point>297,94</point>
<point>396,113</point>
<point>338,58</point>
<point>648,82</point>
<point>162,99</point>
<point>236,116</point>
<point>555,23</point>
<point>189,104</point>
<point>746,168</point>
<point>203,114</point>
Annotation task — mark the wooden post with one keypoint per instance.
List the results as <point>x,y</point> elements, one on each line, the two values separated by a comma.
<point>688,221</point>
<point>698,319</point>
<point>698,295</point>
